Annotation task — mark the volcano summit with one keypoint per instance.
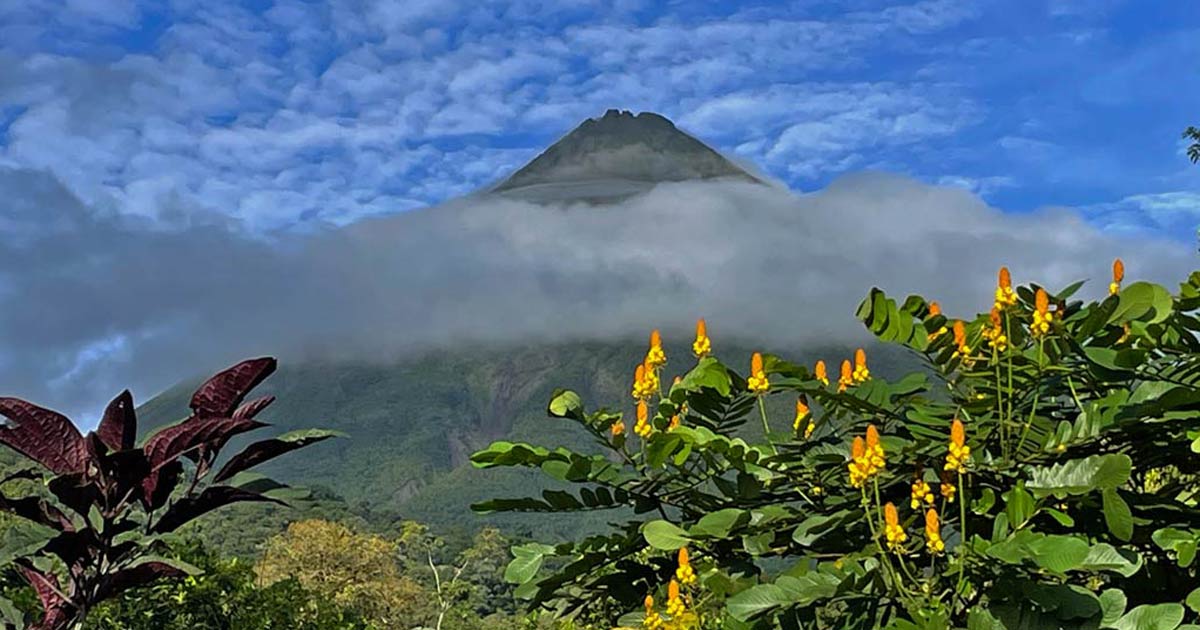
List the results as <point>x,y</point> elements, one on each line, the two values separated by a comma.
<point>615,157</point>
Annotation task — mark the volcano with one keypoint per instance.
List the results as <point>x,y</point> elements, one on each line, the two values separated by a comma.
<point>616,156</point>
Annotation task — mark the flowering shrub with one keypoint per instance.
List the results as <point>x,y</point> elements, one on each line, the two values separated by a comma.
<point>1043,479</point>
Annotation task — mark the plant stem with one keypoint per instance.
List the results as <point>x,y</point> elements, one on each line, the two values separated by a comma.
<point>1036,397</point>
<point>762,413</point>
<point>962,526</point>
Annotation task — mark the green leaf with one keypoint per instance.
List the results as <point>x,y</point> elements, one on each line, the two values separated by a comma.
<point>1112,606</point>
<point>664,535</point>
<point>1151,617</point>
<point>1141,300</point>
<point>1059,553</point>
<point>527,560</point>
<point>720,523</point>
<point>1117,515</point>
<point>1080,476</point>
<point>1193,600</point>
<point>1018,505</point>
<point>982,619</point>
<point>23,538</point>
<point>1105,557</point>
<point>565,403</point>
<point>757,600</point>
<point>708,373</point>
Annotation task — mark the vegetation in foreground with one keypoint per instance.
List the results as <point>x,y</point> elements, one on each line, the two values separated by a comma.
<point>1040,474</point>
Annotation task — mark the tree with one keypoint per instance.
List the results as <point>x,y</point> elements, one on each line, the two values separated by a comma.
<point>1193,150</point>
<point>354,570</point>
<point>98,530</point>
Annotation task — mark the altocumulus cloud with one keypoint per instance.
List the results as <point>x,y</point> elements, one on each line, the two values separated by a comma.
<point>92,301</point>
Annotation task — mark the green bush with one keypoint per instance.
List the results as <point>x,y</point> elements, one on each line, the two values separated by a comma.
<point>1039,474</point>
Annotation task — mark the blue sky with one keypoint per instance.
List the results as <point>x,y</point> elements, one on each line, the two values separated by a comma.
<point>284,115</point>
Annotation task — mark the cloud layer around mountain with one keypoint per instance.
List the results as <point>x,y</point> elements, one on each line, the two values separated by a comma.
<point>93,301</point>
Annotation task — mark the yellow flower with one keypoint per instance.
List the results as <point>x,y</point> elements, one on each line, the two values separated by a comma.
<point>921,493</point>
<point>875,449</point>
<point>819,373</point>
<point>1041,314</point>
<point>892,531</point>
<point>858,450</point>
<point>675,605</point>
<point>1118,276</point>
<point>933,533</point>
<point>808,430</point>
<point>959,452</point>
<point>674,423</point>
<point>1005,296</point>
<point>995,335</point>
<point>655,356</point>
<point>645,382</point>
<point>643,427</point>
<point>866,457</point>
<point>861,373</point>
<point>702,346</point>
<point>618,429</point>
<point>960,340</point>
<point>652,621</point>
<point>757,382</point>
<point>684,573</point>
<point>934,310</point>
<point>801,412</point>
<point>847,377</point>
<point>947,487</point>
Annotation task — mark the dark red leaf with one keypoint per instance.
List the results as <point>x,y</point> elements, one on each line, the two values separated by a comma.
<point>134,577</point>
<point>76,548</point>
<point>158,485</point>
<point>56,607</point>
<point>45,436</point>
<point>37,510</point>
<point>221,394</point>
<point>118,427</point>
<point>260,452</point>
<point>189,508</point>
<point>77,492</point>
<point>252,408</point>
<point>187,436</point>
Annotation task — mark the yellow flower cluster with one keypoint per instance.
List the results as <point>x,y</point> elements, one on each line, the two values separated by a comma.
<point>656,357</point>
<point>652,620</point>
<point>684,573</point>
<point>921,493</point>
<point>934,310</point>
<point>643,427</point>
<point>956,459</point>
<point>933,533</point>
<point>847,377</point>
<point>961,350</point>
<point>618,429</point>
<point>995,335</point>
<point>860,374</point>
<point>675,605</point>
<point>757,382</point>
<point>1118,275</point>
<point>645,382</point>
<point>802,412</point>
<point>702,345</point>
<point>1005,296</point>
<point>892,530</point>
<point>947,487</point>
<point>819,373</point>
<point>1041,314</point>
<point>866,458</point>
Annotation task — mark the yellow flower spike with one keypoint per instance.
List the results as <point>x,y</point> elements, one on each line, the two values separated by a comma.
<point>808,430</point>
<point>1005,296</point>
<point>1041,314</point>
<point>1118,275</point>
<point>675,605</point>
<point>856,467</point>
<point>934,310</point>
<point>933,533</point>
<point>757,382</point>
<point>618,429</point>
<point>861,373</point>
<point>947,488</point>
<point>874,453</point>
<point>702,346</point>
<point>959,452</point>
<point>645,382</point>
<point>921,493</point>
<point>892,531</point>
<point>847,377</point>
<point>995,335</point>
<point>643,427</point>
<point>819,373</point>
<point>655,357</point>
<point>801,412</point>
<point>674,423</point>
<point>962,351</point>
<point>652,620</point>
<point>684,573</point>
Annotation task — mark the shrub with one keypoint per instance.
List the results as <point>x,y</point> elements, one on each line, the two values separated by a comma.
<point>109,505</point>
<point>1039,474</point>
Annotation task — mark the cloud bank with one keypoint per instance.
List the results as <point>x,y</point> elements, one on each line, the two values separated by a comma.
<point>92,301</point>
